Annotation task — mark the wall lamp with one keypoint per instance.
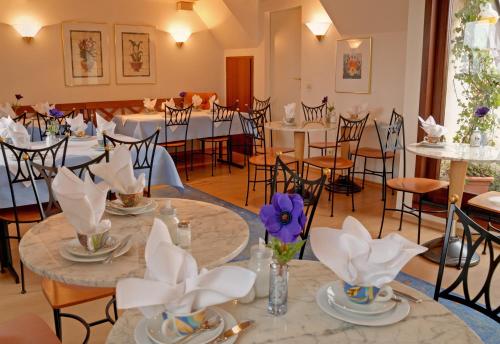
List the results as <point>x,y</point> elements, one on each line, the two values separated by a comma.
<point>319,29</point>
<point>180,36</point>
<point>27,27</point>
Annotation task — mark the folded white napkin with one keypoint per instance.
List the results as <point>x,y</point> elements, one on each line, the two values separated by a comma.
<point>290,112</point>
<point>149,104</point>
<point>360,110</point>
<point>358,259</point>
<point>105,126</point>
<point>43,108</point>
<point>119,172</point>
<point>170,103</point>
<point>5,123</point>
<point>19,135</point>
<point>213,99</point>
<point>172,282</point>
<point>77,123</point>
<point>196,100</point>
<point>81,201</point>
<point>431,128</point>
<point>7,111</point>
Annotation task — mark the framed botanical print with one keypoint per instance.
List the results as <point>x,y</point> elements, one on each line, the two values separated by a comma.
<point>135,54</point>
<point>354,65</point>
<point>86,53</point>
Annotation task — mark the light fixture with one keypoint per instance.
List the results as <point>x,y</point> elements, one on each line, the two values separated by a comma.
<point>180,36</point>
<point>27,27</point>
<point>354,43</point>
<point>319,29</point>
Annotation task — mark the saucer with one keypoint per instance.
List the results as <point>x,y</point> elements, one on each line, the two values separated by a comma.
<point>336,297</point>
<point>124,212</point>
<point>154,333</point>
<point>76,249</point>
<point>93,259</point>
<point>81,138</point>
<point>432,145</point>
<point>398,313</point>
<point>118,205</point>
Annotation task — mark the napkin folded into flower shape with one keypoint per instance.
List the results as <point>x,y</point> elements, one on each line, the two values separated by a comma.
<point>77,124</point>
<point>213,99</point>
<point>172,282</point>
<point>149,104</point>
<point>105,126</point>
<point>18,134</point>
<point>118,173</point>
<point>197,100</point>
<point>359,110</point>
<point>358,259</point>
<point>170,103</point>
<point>290,112</point>
<point>43,108</point>
<point>7,111</point>
<point>5,124</point>
<point>431,128</point>
<point>82,201</point>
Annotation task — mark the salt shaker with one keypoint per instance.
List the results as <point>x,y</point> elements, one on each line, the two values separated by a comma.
<point>476,138</point>
<point>260,260</point>
<point>184,234</point>
<point>168,215</point>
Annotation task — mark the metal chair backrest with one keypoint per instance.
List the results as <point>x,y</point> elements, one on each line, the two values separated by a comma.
<point>177,118</point>
<point>258,104</point>
<point>314,113</point>
<point>483,300</point>
<point>44,120</point>
<point>391,137</point>
<point>143,152</point>
<point>253,128</point>
<point>222,114</point>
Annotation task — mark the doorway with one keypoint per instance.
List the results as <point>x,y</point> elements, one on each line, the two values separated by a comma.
<point>239,81</point>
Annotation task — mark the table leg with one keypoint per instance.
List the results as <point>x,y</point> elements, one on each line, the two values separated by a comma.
<point>458,170</point>
<point>299,139</point>
<point>5,252</point>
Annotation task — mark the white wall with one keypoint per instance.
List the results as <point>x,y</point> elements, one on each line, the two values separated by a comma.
<point>36,70</point>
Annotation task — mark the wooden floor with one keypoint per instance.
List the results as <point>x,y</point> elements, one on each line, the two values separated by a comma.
<point>231,188</point>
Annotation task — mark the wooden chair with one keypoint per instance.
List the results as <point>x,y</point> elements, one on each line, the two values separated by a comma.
<point>309,190</point>
<point>175,118</point>
<point>348,131</point>
<point>26,329</point>
<point>312,114</point>
<point>143,153</point>
<point>489,307</point>
<point>392,138</point>
<point>261,159</point>
<point>43,123</point>
<point>19,171</point>
<point>377,154</point>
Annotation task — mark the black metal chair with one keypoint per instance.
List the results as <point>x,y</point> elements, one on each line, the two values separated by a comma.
<point>143,153</point>
<point>392,138</point>
<point>221,115</point>
<point>258,104</point>
<point>377,154</point>
<point>309,190</point>
<point>43,122</point>
<point>470,228</point>
<point>19,171</point>
<point>261,158</point>
<point>21,118</point>
<point>348,131</point>
<point>316,114</point>
<point>178,118</point>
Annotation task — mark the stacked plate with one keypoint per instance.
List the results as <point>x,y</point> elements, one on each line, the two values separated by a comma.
<point>81,138</point>
<point>73,251</point>
<point>333,301</point>
<point>432,145</point>
<point>148,331</point>
<point>116,207</point>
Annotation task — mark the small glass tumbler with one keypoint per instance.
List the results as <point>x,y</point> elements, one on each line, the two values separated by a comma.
<point>278,289</point>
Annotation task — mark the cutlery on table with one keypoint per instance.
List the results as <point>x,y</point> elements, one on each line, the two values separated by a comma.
<point>117,250</point>
<point>407,296</point>
<point>206,326</point>
<point>233,331</point>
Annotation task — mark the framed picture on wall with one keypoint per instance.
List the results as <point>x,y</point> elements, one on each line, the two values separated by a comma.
<point>135,54</point>
<point>353,72</point>
<point>86,53</point>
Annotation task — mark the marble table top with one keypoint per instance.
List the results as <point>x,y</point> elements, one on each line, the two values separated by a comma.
<point>305,322</point>
<point>218,236</point>
<point>300,126</point>
<point>457,152</point>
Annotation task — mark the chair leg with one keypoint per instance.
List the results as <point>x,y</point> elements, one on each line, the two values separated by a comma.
<point>229,153</point>
<point>254,178</point>
<point>248,183</point>
<point>192,154</point>
<point>186,161</point>
<point>383,218</point>
<point>392,171</point>
<point>352,191</point>
<point>402,208</point>
<point>265,184</point>
<point>419,218</point>
<point>23,285</point>
<point>332,193</point>
<point>213,152</point>
<point>364,174</point>
<point>57,323</point>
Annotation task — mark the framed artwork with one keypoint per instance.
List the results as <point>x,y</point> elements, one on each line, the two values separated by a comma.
<point>353,72</point>
<point>86,53</point>
<point>135,54</point>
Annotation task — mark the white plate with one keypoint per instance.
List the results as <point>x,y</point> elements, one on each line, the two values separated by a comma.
<point>495,200</point>
<point>337,297</point>
<point>76,249</point>
<point>432,145</point>
<point>118,205</point>
<point>81,138</point>
<point>119,212</point>
<point>68,256</point>
<point>395,315</point>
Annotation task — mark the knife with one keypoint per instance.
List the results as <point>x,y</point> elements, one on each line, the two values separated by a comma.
<point>234,331</point>
<point>407,296</point>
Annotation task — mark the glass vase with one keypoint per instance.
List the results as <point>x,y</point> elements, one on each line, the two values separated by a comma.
<point>51,139</point>
<point>278,289</point>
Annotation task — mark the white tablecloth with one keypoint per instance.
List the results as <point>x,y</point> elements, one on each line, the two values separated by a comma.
<point>143,125</point>
<point>78,152</point>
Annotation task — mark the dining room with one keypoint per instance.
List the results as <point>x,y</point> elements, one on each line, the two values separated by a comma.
<point>258,171</point>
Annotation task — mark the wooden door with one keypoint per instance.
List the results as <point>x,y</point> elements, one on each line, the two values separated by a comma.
<point>239,81</point>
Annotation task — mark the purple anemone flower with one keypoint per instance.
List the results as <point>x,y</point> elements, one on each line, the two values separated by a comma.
<point>56,113</point>
<point>182,94</point>
<point>284,218</point>
<point>325,100</point>
<point>482,111</point>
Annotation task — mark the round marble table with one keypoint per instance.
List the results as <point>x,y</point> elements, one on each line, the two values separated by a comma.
<point>218,236</point>
<point>459,156</point>
<point>305,322</point>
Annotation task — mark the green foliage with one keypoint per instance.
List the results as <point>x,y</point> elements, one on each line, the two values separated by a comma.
<point>477,75</point>
<point>283,253</point>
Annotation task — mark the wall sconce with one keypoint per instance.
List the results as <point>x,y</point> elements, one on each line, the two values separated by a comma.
<point>27,28</point>
<point>354,43</point>
<point>319,29</point>
<point>180,36</point>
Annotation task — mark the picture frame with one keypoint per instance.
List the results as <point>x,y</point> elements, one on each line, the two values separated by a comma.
<point>135,54</point>
<point>353,71</point>
<point>86,53</point>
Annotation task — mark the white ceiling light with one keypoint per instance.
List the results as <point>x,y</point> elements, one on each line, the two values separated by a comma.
<point>319,29</point>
